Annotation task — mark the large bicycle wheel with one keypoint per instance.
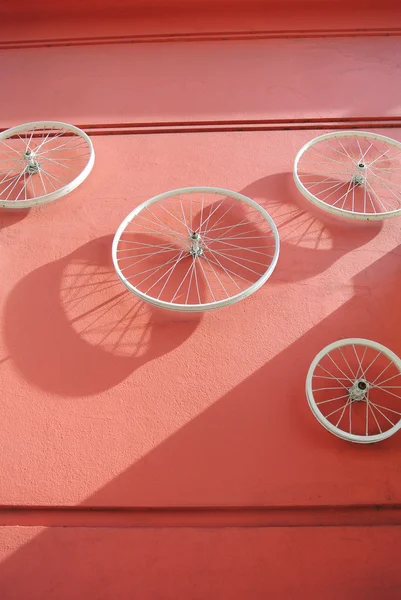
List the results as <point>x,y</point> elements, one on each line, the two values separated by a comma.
<point>353,388</point>
<point>195,249</point>
<point>42,161</point>
<point>354,174</point>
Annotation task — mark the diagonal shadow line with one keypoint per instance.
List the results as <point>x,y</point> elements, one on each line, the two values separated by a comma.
<point>258,445</point>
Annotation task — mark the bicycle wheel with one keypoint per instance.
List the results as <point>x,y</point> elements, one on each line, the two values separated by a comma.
<point>195,249</point>
<point>353,389</point>
<point>42,161</point>
<point>352,174</point>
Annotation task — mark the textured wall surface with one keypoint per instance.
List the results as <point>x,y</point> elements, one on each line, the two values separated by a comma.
<point>150,455</point>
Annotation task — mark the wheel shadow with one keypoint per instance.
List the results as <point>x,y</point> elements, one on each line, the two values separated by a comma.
<point>310,239</point>
<point>257,445</point>
<point>73,329</point>
<point>10,217</point>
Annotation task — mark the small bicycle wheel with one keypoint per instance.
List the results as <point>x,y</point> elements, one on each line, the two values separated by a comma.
<point>353,389</point>
<point>195,249</point>
<point>353,174</point>
<point>42,161</point>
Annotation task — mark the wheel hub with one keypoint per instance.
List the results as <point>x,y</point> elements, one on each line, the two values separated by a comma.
<point>359,177</point>
<point>32,164</point>
<point>358,390</point>
<point>196,244</point>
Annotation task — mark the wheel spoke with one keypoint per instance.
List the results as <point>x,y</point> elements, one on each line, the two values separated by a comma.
<point>237,247</point>
<point>388,379</point>
<point>193,268</point>
<point>196,281</point>
<point>46,174</point>
<point>326,388</point>
<point>327,157</point>
<point>164,274</point>
<point>255,262</point>
<point>43,183</point>
<point>174,235</point>
<point>183,279</point>
<point>334,377</point>
<point>9,147</point>
<point>159,223</point>
<point>156,268</point>
<point>227,271</point>
<point>141,244</point>
<point>374,416</point>
<point>346,153</point>
<point>360,362</point>
<point>330,377</point>
<point>371,404</point>
<point>387,391</point>
<point>237,263</point>
<point>396,412</point>
<point>14,185</point>
<point>332,399</point>
<point>169,277</point>
<point>334,187</point>
<point>336,365</point>
<point>347,363</point>
<point>198,229</point>
<point>381,372</point>
<point>145,257</point>
<point>217,277</point>
<point>56,162</point>
<point>207,280</point>
<point>174,217</point>
<point>370,364</point>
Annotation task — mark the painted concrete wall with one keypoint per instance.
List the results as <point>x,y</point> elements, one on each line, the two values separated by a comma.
<point>150,455</point>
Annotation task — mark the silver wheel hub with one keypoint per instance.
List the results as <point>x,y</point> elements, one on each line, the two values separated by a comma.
<point>359,176</point>
<point>196,244</point>
<point>31,163</point>
<point>358,390</point>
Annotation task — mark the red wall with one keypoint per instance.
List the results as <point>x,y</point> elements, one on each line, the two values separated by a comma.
<point>145,454</point>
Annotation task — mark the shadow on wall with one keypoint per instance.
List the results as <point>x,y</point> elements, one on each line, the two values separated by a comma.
<point>252,438</point>
<point>82,332</point>
<point>311,240</point>
<point>8,217</point>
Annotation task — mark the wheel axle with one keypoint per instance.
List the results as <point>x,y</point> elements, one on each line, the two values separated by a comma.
<point>32,165</point>
<point>196,248</point>
<point>358,390</point>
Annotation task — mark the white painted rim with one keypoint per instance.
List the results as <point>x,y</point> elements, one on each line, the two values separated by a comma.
<point>64,190</point>
<point>211,305</point>
<point>360,439</point>
<point>333,209</point>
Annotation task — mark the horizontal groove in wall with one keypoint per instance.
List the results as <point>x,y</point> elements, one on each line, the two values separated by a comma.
<point>297,516</point>
<point>340,123</point>
<point>201,37</point>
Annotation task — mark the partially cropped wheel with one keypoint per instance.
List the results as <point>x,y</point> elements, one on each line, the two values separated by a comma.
<point>42,161</point>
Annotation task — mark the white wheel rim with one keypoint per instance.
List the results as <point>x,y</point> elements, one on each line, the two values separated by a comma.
<point>353,174</point>
<point>42,161</point>
<point>196,249</point>
<point>353,388</point>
